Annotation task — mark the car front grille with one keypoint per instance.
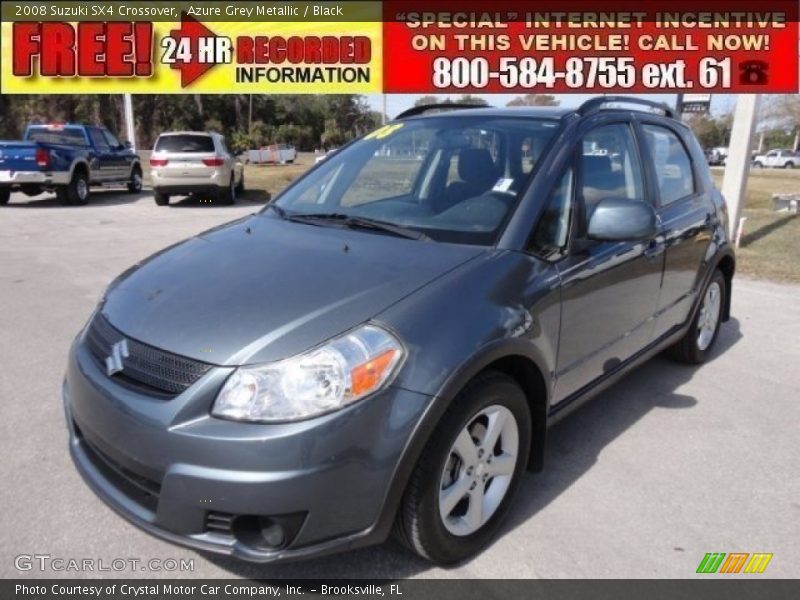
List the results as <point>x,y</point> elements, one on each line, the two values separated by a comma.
<point>145,367</point>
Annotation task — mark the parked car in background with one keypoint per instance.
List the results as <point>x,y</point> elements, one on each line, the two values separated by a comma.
<point>67,159</point>
<point>716,157</point>
<point>383,347</point>
<point>273,154</point>
<point>195,162</point>
<point>777,159</point>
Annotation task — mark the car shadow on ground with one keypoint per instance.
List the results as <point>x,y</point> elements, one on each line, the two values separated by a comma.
<point>573,447</point>
<point>113,197</point>
<point>248,197</point>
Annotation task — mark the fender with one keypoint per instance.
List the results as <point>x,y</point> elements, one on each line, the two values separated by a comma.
<point>724,251</point>
<point>492,352</point>
<point>81,161</point>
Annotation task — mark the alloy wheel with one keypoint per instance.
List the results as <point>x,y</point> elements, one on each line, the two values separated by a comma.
<point>479,470</point>
<point>709,316</point>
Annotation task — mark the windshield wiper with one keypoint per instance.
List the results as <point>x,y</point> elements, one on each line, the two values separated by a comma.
<point>355,222</point>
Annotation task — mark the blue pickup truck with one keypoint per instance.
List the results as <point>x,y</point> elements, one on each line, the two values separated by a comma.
<point>67,159</point>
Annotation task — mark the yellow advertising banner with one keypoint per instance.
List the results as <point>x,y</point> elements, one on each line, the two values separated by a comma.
<point>190,56</point>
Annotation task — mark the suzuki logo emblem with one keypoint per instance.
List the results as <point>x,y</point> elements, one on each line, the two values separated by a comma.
<point>114,362</point>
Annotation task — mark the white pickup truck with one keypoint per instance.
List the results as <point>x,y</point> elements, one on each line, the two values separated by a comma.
<point>777,159</point>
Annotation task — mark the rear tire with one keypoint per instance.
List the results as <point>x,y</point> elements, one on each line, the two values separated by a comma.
<point>758,165</point>
<point>240,186</point>
<point>696,346</point>
<point>76,192</point>
<point>478,450</point>
<point>227,196</point>
<point>161,199</point>
<point>5,194</point>
<point>135,182</point>
<point>789,165</point>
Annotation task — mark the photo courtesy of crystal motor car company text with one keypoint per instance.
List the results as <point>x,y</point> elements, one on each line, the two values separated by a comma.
<point>287,281</point>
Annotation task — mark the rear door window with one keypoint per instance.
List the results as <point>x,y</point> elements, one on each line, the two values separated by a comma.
<point>69,136</point>
<point>673,167</point>
<point>185,143</point>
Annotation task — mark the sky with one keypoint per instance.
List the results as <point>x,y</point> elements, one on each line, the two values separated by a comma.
<point>396,103</point>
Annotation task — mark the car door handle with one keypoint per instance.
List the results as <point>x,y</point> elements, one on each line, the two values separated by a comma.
<point>654,249</point>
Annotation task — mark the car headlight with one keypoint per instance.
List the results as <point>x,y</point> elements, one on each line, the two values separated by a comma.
<point>322,380</point>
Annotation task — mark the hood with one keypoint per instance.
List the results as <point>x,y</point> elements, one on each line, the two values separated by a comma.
<point>261,289</point>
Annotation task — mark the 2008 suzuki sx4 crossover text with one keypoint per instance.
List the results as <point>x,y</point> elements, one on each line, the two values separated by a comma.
<point>382,348</point>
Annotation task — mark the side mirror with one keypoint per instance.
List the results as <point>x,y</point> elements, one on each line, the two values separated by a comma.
<point>127,144</point>
<point>618,219</point>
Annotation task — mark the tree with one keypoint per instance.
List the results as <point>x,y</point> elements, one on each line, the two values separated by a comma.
<point>427,100</point>
<point>710,131</point>
<point>535,100</point>
<point>301,119</point>
<point>782,113</point>
<point>468,99</point>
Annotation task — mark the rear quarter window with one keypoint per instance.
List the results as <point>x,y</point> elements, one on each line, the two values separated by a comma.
<point>185,143</point>
<point>673,166</point>
<point>70,136</point>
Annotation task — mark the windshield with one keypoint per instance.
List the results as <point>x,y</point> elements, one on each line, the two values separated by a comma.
<point>69,136</point>
<point>455,179</point>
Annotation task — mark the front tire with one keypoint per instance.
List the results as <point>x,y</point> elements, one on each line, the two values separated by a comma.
<point>463,485</point>
<point>5,194</point>
<point>789,165</point>
<point>240,186</point>
<point>161,199</point>
<point>758,165</point>
<point>695,347</point>
<point>76,192</point>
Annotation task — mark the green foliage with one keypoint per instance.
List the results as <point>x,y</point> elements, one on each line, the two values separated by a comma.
<point>711,132</point>
<point>301,120</point>
<point>239,142</point>
<point>535,100</point>
<point>214,125</point>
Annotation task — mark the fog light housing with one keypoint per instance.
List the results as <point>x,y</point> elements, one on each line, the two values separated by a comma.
<point>267,533</point>
<point>273,533</point>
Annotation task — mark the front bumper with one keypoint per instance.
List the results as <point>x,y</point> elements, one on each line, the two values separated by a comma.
<point>170,468</point>
<point>43,178</point>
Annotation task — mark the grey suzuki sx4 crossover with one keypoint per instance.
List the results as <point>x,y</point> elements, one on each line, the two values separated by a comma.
<point>381,350</point>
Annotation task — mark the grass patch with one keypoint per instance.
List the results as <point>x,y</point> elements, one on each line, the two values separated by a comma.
<point>771,243</point>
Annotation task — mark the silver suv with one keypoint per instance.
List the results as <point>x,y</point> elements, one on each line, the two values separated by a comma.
<point>193,162</point>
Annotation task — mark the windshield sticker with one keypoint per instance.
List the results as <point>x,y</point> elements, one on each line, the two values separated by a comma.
<point>383,132</point>
<point>503,185</point>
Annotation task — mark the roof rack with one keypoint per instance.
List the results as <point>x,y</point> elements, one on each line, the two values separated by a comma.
<point>419,110</point>
<point>596,104</point>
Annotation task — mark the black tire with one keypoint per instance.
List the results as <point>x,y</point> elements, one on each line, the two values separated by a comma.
<point>161,199</point>
<point>76,192</point>
<point>5,194</point>
<point>418,524</point>
<point>135,182</point>
<point>240,186</point>
<point>758,165</point>
<point>227,196</point>
<point>789,165</point>
<point>688,350</point>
